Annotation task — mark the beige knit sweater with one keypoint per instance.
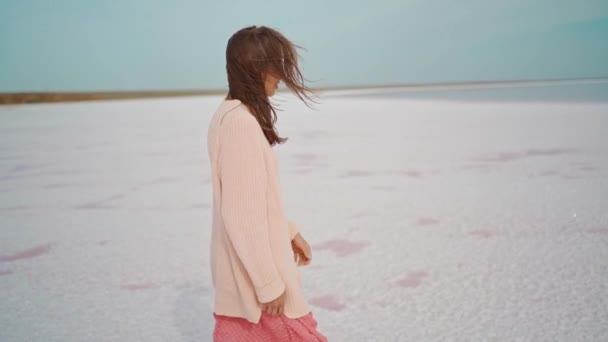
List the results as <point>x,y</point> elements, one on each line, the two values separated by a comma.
<point>251,256</point>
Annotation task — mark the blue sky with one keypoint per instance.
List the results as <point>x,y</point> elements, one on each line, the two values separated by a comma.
<point>69,45</point>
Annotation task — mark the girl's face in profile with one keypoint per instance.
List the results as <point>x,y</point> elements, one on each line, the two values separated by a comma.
<point>271,83</point>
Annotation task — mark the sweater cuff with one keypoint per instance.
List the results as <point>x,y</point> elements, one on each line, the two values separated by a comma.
<point>270,292</point>
<point>293,229</point>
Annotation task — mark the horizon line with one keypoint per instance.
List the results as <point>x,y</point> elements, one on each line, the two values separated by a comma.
<point>7,98</point>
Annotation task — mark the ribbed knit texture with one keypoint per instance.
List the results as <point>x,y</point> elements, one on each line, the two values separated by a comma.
<point>250,253</point>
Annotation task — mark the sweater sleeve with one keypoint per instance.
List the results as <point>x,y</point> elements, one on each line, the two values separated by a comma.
<point>293,228</point>
<point>244,208</point>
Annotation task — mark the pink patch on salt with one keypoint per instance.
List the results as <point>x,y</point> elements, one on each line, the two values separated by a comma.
<point>477,166</point>
<point>383,303</point>
<point>550,151</point>
<point>305,159</point>
<point>305,156</point>
<point>303,171</point>
<point>413,279</point>
<point>328,302</point>
<point>360,215</point>
<point>482,233</point>
<point>142,286</point>
<point>384,187</point>
<point>426,221</point>
<point>548,173</point>
<point>18,207</point>
<point>500,157</point>
<point>312,135</point>
<point>414,174</point>
<point>58,185</point>
<point>95,206</point>
<point>598,230</point>
<point>342,247</point>
<point>356,173</point>
<point>160,180</point>
<point>508,156</point>
<point>101,203</point>
<point>28,253</point>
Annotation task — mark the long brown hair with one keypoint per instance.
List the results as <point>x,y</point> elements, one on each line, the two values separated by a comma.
<point>253,51</point>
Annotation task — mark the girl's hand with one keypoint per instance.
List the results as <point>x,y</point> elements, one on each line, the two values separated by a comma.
<point>301,250</point>
<point>276,306</point>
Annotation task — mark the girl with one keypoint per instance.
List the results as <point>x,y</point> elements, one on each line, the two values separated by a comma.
<point>255,248</point>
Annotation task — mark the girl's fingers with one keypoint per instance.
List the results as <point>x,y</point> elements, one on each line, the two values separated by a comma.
<point>308,253</point>
<point>306,260</point>
<point>302,257</point>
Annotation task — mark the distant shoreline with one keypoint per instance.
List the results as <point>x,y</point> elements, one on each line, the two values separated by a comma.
<point>45,97</point>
